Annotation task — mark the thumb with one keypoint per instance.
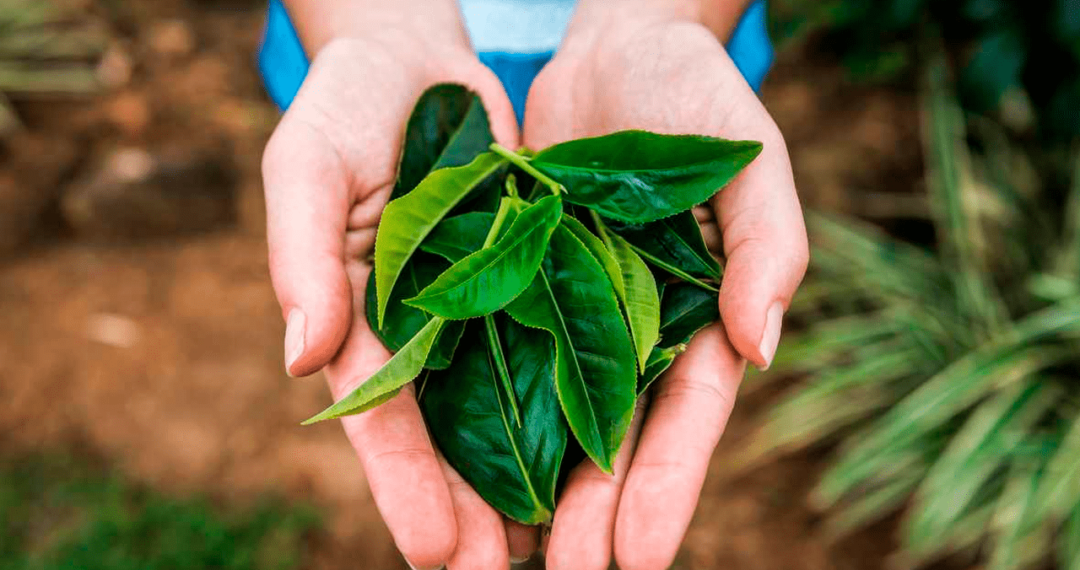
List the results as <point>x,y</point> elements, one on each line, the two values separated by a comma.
<point>765,245</point>
<point>307,203</point>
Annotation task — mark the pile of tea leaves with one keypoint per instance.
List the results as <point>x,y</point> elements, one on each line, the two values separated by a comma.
<point>537,295</point>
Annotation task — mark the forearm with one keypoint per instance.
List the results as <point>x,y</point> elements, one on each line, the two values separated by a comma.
<point>719,16</point>
<point>320,21</point>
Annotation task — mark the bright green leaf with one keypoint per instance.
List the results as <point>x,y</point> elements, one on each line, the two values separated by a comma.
<point>487,280</point>
<point>640,299</point>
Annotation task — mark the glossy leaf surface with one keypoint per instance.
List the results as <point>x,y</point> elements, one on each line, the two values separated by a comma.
<point>572,298</point>
<point>408,220</point>
<point>684,310</point>
<point>638,177</point>
<point>487,280</point>
<point>457,237</point>
<point>600,252</point>
<point>675,240</point>
<point>514,469</point>
<point>640,300</point>
<point>401,369</point>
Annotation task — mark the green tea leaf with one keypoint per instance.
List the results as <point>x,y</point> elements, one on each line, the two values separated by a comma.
<point>401,369</point>
<point>676,241</point>
<point>638,177</point>
<point>487,280</point>
<point>660,359</point>
<point>458,237</point>
<point>409,219</point>
<point>514,469</point>
<point>448,127</point>
<point>684,310</point>
<point>498,362</point>
<point>640,299</point>
<point>600,252</point>
<point>402,321</point>
<point>595,375</point>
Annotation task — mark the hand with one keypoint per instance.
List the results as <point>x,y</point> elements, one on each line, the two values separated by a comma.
<point>328,171</point>
<point>634,65</point>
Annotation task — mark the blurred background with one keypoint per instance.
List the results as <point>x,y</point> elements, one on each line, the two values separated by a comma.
<point>922,412</point>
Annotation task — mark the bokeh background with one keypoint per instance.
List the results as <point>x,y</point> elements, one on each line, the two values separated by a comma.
<point>923,411</point>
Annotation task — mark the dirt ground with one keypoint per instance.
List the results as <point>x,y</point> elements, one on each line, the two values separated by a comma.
<point>163,355</point>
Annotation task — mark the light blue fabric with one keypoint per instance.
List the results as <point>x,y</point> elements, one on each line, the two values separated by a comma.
<point>515,38</point>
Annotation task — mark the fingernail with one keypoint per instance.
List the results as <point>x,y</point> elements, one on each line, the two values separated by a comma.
<point>294,337</point>
<point>770,338</point>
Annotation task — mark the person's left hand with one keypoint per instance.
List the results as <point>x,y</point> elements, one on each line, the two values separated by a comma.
<point>625,65</point>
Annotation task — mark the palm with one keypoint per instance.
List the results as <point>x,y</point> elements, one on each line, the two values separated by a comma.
<point>673,78</point>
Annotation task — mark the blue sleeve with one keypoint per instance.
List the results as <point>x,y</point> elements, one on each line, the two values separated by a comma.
<point>284,65</point>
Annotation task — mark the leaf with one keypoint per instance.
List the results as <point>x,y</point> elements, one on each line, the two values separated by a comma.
<point>640,299</point>
<point>676,241</point>
<point>409,219</point>
<point>401,369</point>
<point>684,310</point>
<point>595,375</point>
<point>455,238</point>
<point>638,177</point>
<point>600,252</point>
<point>448,127</point>
<point>402,321</point>
<point>498,362</point>
<point>514,469</point>
<point>660,359</point>
<point>487,280</point>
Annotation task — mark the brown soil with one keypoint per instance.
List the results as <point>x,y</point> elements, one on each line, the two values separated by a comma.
<point>164,355</point>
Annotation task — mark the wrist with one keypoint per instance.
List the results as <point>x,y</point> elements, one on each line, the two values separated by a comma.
<point>390,22</point>
<point>719,16</point>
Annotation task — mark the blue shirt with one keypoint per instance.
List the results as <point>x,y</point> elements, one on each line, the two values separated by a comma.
<point>515,38</point>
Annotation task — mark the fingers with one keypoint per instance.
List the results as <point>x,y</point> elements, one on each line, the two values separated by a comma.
<point>581,533</point>
<point>307,189</point>
<point>406,478</point>
<point>690,407</point>
<point>764,236</point>
<point>522,540</point>
<point>481,542</point>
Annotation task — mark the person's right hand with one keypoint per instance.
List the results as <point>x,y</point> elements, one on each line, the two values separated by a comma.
<point>328,171</point>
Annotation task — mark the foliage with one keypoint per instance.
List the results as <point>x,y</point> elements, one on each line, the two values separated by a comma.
<point>945,379</point>
<point>44,49</point>
<point>1004,48</point>
<point>58,513</point>
<point>529,318</point>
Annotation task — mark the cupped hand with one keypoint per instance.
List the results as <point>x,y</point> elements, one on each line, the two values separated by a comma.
<point>328,171</point>
<point>638,70</point>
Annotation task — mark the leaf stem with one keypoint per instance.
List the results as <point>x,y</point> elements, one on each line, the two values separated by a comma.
<point>511,186</point>
<point>496,226</point>
<point>673,270</point>
<point>499,364</point>
<point>602,230</point>
<point>523,163</point>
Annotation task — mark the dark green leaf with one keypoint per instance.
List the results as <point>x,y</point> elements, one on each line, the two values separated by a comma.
<point>487,280</point>
<point>409,219</point>
<point>403,321</point>
<point>572,298</point>
<point>448,127</point>
<point>457,237</point>
<point>684,310</point>
<point>514,469</point>
<point>675,240</point>
<point>638,177</point>
<point>401,369</point>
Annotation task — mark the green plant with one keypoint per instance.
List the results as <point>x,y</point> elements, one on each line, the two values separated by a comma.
<point>44,50</point>
<point>945,379</point>
<point>1001,46</point>
<point>59,513</point>
<point>536,316</point>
